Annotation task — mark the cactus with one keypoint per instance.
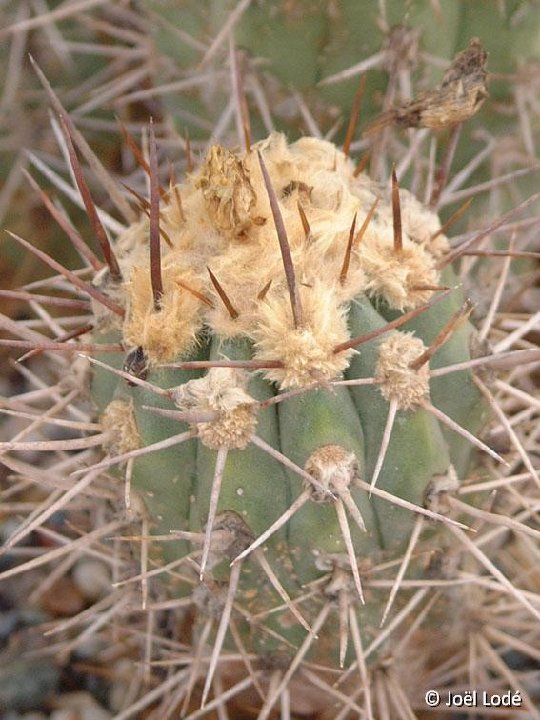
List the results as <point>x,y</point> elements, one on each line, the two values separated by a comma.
<point>293,405</point>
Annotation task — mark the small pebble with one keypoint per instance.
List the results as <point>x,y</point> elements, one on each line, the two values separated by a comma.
<point>123,672</point>
<point>92,579</point>
<point>89,648</point>
<point>63,598</point>
<point>78,706</point>
<point>13,620</point>
<point>24,683</point>
<point>64,715</point>
<point>7,527</point>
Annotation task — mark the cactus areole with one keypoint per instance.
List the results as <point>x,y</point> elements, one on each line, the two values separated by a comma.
<point>281,424</point>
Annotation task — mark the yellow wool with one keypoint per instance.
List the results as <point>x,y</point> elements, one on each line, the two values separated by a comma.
<point>171,330</point>
<point>397,380</point>
<point>220,219</point>
<point>307,352</point>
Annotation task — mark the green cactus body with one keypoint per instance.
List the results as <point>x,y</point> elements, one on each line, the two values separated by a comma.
<point>168,510</point>
<point>105,383</point>
<point>455,394</point>
<point>417,450</point>
<point>254,484</point>
<point>309,424</point>
<point>163,478</point>
<point>253,493</point>
<point>224,486</point>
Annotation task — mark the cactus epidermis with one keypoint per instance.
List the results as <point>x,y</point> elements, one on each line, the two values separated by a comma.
<point>279,267</point>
